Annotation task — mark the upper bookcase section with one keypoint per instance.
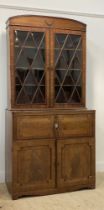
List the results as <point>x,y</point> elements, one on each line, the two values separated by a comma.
<point>47,62</point>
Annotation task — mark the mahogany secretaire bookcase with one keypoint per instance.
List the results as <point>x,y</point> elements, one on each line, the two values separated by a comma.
<point>50,135</point>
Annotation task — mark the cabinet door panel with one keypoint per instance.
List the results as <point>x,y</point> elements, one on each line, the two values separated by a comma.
<point>30,61</point>
<point>33,127</point>
<point>34,165</point>
<point>75,125</point>
<point>73,162</point>
<point>69,68</point>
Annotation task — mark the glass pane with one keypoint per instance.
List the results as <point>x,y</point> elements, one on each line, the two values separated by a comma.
<point>29,67</point>
<point>68,68</point>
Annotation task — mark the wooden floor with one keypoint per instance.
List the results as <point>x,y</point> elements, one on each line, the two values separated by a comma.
<point>80,200</point>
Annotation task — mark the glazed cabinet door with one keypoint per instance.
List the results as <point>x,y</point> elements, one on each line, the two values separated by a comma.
<point>34,165</point>
<point>29,62</point>
<point>75,162</point>
<point>68,63</point>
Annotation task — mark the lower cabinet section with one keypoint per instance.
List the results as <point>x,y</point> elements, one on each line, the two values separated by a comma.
<point>63,160</point>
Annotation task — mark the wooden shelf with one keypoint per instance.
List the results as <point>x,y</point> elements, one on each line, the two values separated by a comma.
<point>26,68</point>
<point>30,85</point>
<point>67,69</point>
<point>69,49</point>
<point>67,85</point>
<point>27,46</point>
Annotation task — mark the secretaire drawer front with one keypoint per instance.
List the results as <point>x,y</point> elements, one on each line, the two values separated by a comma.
<point>75,125</point>
<point>33,127</point>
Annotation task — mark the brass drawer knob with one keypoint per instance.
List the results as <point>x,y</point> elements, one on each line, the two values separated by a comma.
<point>56,125</point>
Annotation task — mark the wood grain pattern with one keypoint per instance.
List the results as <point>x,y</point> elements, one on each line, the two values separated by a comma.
<point>34,165</point>
<point>33,127</point>
<point>50,144</point>
<point>8,150</point>
<point>44,21</point>
<point>58,164</point>
<point>75,125</point>
<point>73,162</point>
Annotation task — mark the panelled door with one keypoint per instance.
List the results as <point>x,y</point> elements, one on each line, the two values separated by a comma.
<point>67,57</point>
<point>34,165</point>
<point>30,59</point>
<point>73,162</point>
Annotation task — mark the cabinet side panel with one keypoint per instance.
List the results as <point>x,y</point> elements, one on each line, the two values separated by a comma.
<point>92,181</point>
<point>8,150</point>
<point>8,69</point>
